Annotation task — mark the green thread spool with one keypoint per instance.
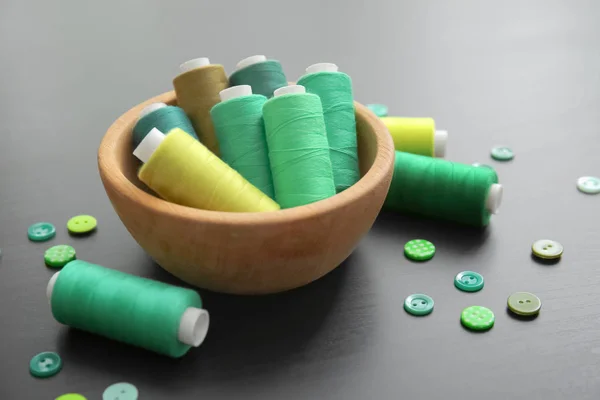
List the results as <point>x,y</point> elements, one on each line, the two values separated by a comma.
<point>335,90</point>
<point>145,313</point>
<point>441,189</point>
<point>417,136</point>
<point>298,148</point>
<point>162,117</point>
<point>240,130</point>
<point>264,76</point>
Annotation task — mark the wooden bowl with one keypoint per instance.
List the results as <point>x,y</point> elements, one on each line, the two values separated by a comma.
<point>247,253</point>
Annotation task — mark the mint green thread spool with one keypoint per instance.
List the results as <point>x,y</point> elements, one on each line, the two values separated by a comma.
<point>162,117</point>
<point>153,315</point>
<point>335,90</point>
<point>298,148</point>
<point>440,189</point>
<point>240,130</point>
<point>264,76</point>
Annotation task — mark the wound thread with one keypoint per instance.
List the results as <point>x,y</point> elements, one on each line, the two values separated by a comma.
<point>416,136</point>
<point>264,77</point>
<point>164,119</point>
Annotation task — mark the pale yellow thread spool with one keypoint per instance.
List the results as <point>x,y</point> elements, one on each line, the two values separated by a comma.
<point>417,136</point>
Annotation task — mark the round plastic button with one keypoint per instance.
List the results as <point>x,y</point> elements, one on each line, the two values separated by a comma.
<point>45,364</point>
<point>120,391</point>
<point>468,281</point>
<point>59,256</point>
<point>502,153</point>
<point>419,250</point>
<point>588,184</point>
<point>418,304</point>
<point>71,396</point>
<point>547,249</point>
<point>524,303</point>
<point>479,165</point>
<point>380,110</point>
<point>82,224</point>
<point>477,318</point>
<point>41,231</point>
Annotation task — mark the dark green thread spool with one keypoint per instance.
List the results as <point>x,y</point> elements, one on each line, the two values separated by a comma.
<point>162,117</point>
<point>264,76</point>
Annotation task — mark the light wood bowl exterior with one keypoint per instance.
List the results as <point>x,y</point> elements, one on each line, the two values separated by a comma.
<point>247,253</point>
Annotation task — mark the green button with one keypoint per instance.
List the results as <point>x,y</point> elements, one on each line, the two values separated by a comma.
<point>419,250</point>
<point>547,249</point>
<point>479,165</point>
<point>120,391</point>
<point>380,110</point>
<point>45,364</point>
<point>418,304</point>
<point>71,396</point>
<point>477,318</point>
<point>41,231</point>
<point>468,281</point>
<point>82,224</point>
<point>524,303</point>
<point>589,184</point>
<point>502,153</point>
<point>59,256</point>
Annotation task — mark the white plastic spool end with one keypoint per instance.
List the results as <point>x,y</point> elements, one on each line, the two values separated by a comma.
<point>494,198</point>
<point>193,326</point>
<point>150,109</point>
<point>289,90</point>
<point>148,145</point>
<point>322,67</point>
<point>50,287</point>
<point>440,140</point>
<point>195,63</point>
<point>235,91</point>
<point>248,61</point>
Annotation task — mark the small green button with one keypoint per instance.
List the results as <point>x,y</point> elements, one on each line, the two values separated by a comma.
<point>120,391</point>
<point>589,184</point>
<point>59,256</point>
<point>41,231</point>
<point>419,250</point>
<point>477,318</point>
<point>418,304</point>
<point>479,165</point>
<point>468,281</point>
<point>380,110</point>
<point>524,303</point>
<point>502,153</point>
<point>547,249</point>
<point>82,224</point>
<point>45,364</point>
<point>71,396</point>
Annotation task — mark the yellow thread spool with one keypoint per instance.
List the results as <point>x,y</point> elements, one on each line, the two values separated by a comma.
<point>197,89</point>
<point>417,136</point>
<point>183,171</point>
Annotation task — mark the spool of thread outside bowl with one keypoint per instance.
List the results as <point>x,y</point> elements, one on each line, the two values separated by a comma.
<point>417,136</point>
<point>264,76</point>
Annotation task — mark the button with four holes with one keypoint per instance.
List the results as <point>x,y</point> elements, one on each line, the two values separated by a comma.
<point>468,281</point>
<point>120,391</point>
<point>524,303</point>
<point>419,250</point>
<point>59,256</point>
<point>589,184</point>
<point>41,231</point>
<point>82,224</point>
<point>418,304</point>
<point>547,249</point>
<point>502,153</point>
<point>45,364</point>
<point>477,318</point>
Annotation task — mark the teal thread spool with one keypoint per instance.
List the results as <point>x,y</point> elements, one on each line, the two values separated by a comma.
<point>436,188</point>
<point>264,76</point>
<point>240,130</point>
<point>162,117</point>
<point>298,148</point>
<point>335,90</point>
<point>149,314</point>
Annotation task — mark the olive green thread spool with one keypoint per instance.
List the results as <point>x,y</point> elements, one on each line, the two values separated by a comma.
<point>149,314</point>
<point>264,76</point>
<point>162,117</point>
<point>440,189</point>
<point>298,148</point>
<point>240,129</point>
<point>417,136</point>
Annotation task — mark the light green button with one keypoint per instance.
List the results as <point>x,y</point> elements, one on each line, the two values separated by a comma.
<point>59,256</point>
<point>41,231</point>
<point>418,304</point>
<point>502,153</point>
<point>71,396</point>
<point>524,303</point>
<point>419,250</point>
<point>380,110</point>
<point>468,281</point>
<point>82,224</point>
<point>120,391</point>
<point>477,318</point>
<point>589,184</point>
<point>45,364</point>
<point>547,249</point>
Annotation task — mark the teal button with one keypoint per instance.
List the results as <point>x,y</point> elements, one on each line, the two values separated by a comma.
<point>380,110</point>
<point>502,153</point>
<point>41,231</point>
<point>468,281</point>
<point>588,184</point>
<point>120,391</point>
<point>418,304</point>
<point>45,364</point>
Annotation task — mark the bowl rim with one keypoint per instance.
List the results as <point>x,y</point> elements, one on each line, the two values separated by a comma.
<point>114,177</point>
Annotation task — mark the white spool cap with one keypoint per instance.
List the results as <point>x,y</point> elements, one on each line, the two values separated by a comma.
<point>50,287</point>
<point>195,63</point>
<point>248,61</point>
<point>322,67</point>
<point>494,198</point>
<point>193,326</point>
<point>235,91</point>
<point>151,108</point>
<point>148,145</point>
<point>289,89</point>
<point>440,139</point>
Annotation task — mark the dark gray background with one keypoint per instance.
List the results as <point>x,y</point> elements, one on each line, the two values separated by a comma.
<point>524,74</point>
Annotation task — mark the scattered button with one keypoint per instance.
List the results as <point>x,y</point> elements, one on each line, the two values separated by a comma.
<point>547,249</point>
<point>502,153</point>
<point>419,250</point>
<point>380,110</point>
<point>589,184</point>
<point>479,165</point>
<point>477,318</point>
<point>71,396</point>
<point>59,256</point>
<point>468,281</point>
<point>524,303</point>
<point>120,391</point>
<point>45,364</point>
<point>82,224</point>
<point>41,231</point>
<point>418,304</point>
